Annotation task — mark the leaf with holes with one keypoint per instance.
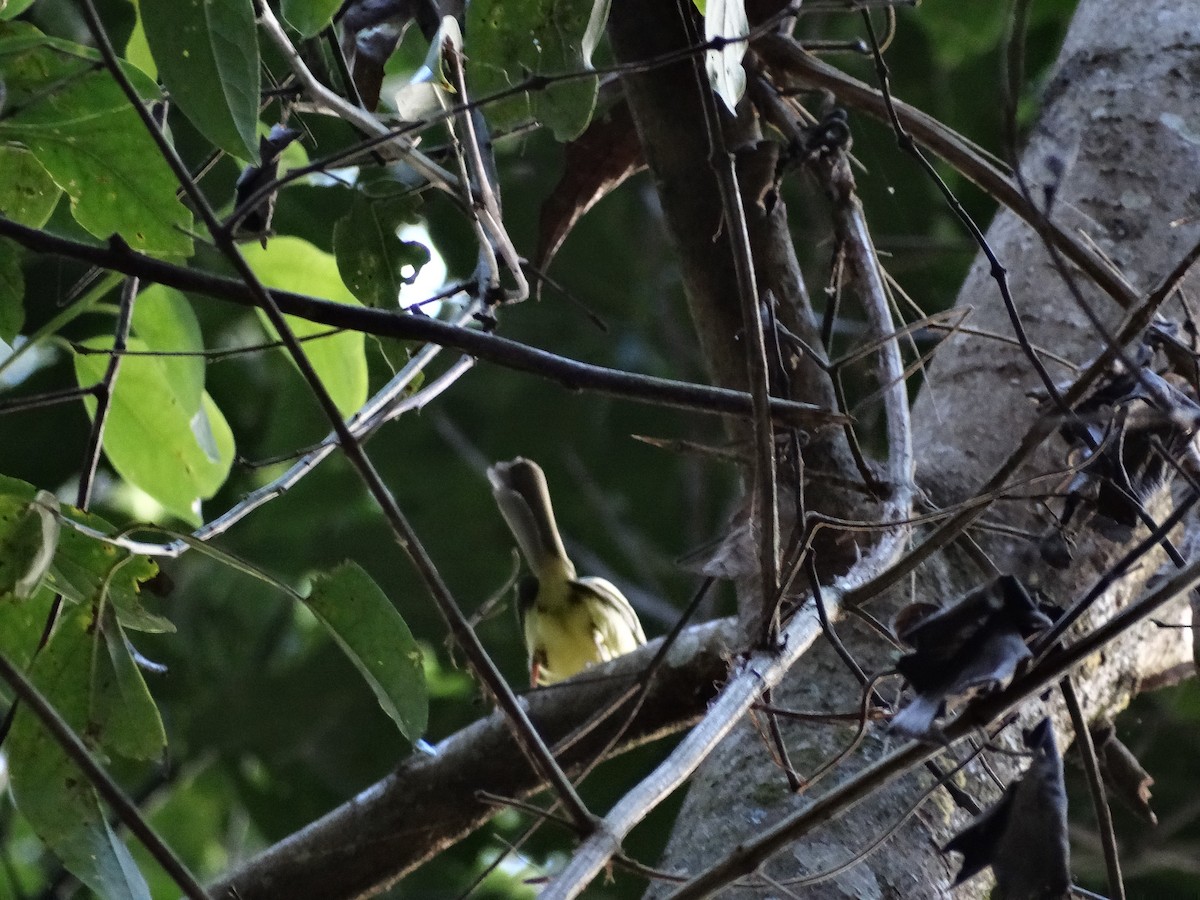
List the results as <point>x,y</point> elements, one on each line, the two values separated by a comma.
<point>90,141</point>
<point>372,260</point>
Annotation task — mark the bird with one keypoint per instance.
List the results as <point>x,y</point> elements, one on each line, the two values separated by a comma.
<point>569,622</point>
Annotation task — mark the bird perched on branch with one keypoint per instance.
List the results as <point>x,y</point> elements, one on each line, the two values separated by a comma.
<point>570,623</point>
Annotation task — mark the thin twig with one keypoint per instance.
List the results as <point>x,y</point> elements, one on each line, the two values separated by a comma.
<point>1095,783</point>
<point>531,742</point>
<point>384,323</point>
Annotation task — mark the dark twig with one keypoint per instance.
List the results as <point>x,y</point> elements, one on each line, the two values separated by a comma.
<point>1095,783</point>
<point>531,742</point>
<point>125,809</point>
<point>489,347</point>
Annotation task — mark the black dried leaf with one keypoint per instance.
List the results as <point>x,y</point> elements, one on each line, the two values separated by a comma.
<point>1023,837</point>
<point>1123,774</point>
<point>1116,437</point>
<point>971,646</point>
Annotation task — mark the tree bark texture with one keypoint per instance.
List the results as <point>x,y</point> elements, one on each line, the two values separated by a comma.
<point>1121,112</point>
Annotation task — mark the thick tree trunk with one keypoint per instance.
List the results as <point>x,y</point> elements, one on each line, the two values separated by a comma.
<point>1127,85</point>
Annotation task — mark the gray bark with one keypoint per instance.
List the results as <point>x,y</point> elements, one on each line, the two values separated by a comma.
<point>1122,109</point>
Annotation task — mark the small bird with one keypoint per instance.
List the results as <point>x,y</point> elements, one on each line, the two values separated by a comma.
<point>569,622</point>
<point>257,221</point>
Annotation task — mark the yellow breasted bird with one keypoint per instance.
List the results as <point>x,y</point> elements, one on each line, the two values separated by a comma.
<point>569,622</point>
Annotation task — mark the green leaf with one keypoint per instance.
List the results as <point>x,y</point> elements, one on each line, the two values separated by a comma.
<point>207,56</point>
<point>340,361</point>
<point>28,541</point>
<point>506,41</point>
<point>88,570</point>
<point>123,709</point>
<point>727,19</point>
<point>309,16</point>
<point>377,640</point>
<point>12,290</point>
<point>28,194</point>
<point>373,262</point>
<point>14,8</point>
<point>137,50</point>
<point>164,320</point>
<point>57,801</point>
<point>21,625</point>
<point>74,118</point>
<point>153,440</point>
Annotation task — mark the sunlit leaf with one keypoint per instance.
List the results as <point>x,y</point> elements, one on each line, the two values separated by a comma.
<point>90,140</point>
<point>372,633</point>
<point>137,50</point>
<point>176,455</point>
<point>339,359</point>
<point>207,56</point>
<point>164,320</point>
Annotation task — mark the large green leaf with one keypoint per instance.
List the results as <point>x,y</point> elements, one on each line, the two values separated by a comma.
<point>292,264</point>
<point>164,320</point>
<point>74,118</point>
<point>372,260</point>
<point>309,16</point>
<point>12,290</point>
<point>176,455</point>
<point>76,674</point>
<point>27,192</point>
<point>507,41</point>
<point>377,640</point>
<point>207,56</point>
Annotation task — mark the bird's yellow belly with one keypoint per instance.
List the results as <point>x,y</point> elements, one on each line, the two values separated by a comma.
<point>566,640</point>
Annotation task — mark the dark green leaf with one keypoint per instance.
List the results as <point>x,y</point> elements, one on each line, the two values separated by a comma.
<point>55,798</point>
<point>505,41</point>
<point>27,192</point>
<point>309,16</point>
<point>12,290</point>
<point>21,625</point>
<point>377,640</point>
<point>177,456</point>
<point>207,56</point>
<point>373,262</point>
<point>90,140</point>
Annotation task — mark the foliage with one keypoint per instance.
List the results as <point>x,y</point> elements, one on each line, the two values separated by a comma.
<point>275,667</point>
